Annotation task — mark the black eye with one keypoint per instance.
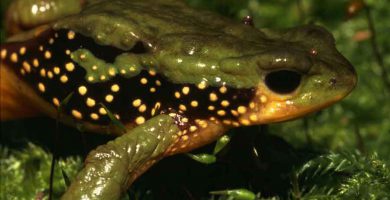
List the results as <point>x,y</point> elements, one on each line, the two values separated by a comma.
<point>283,81</point>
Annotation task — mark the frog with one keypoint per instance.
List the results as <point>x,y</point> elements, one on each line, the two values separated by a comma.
<point>164,77</point>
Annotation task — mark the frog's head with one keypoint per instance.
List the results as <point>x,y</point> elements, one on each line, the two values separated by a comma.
<point>302,73</point>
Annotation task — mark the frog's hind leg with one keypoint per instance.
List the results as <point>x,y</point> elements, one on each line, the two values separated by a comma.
<point>13,102</point>
<point>17,98</point>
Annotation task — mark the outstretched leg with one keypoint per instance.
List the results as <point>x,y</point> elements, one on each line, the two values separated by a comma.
<point>111,168</point>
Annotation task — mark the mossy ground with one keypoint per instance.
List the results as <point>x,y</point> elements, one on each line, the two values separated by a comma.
<point>340,153</point>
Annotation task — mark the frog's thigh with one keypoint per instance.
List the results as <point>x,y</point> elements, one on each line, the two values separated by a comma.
<point>111,168</point>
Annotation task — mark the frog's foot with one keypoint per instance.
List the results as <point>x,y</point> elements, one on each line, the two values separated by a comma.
<point>110,169</point>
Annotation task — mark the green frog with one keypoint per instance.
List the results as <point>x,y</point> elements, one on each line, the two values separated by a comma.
<point>165,77</point>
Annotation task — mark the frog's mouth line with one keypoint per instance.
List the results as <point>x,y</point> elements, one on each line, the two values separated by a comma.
<point>268,107</point>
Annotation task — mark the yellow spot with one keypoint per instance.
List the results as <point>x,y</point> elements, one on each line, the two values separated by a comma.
<point>182,107</point>
<point>185,120</point>
<point>69,66</point>
<point>64,79</point>
<point>115,88</point>
<point>102,111</point>
<point>71,35</point>
<point>132,69</point>
<point>67,52</point>
<point>253,117</point>
<point>22,71</point>
<point>102,77</point>
<point>241,109</point>
<point>234,113</point>
<point>142,108</point>
<point>41,48</point>
<point>123,71</point>
<point>193,128</point>
<point>109,98</point>
<point>211,108</point>
<point>56,102</point>
<point>263,99</point>
<point>252,105</point>
<point>202,85</point>
<point>194,103</point>
<point>94,116</point>
<point>221,112</point>
<point>56,70</point>
<point>27,66</point>
<point>77,114</point>
<point>112,71</point>
<point>152,72</point>
<point>152,90</point>
<point>117,116</point>
<point>43,72</point>
<point>94,68</point>
<point>245,122</point>
<point>3,53</point>
<point>47,54</point>
<point>14,57</point>
<point>22,50</point>
<point>177,95</point>
<point>153,112</point>
<point>225,103</point>
<point>90,102</point>
<point>158,83</point>
<point>83,90</point>
<point>227,122</point>
<point>223,89</point>
<point>91,78</point>
<point>144,81</point>
<point>35,63</point>
<point>137,102</point>
<point>236,124</point>
<point>185,90</point>
<point>82,56</point>
<point>157,105</point>
<point>140,120</point>
<point>41,87</point>
<point>51,41</point>
<point>50,74</point>
<point>184,138</point>
<point>213,97</point>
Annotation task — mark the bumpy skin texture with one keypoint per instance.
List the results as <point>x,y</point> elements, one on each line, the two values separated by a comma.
<point>143,58</point>
<point>110,168</point>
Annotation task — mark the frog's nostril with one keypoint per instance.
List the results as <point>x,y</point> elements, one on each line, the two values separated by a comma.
<point>283,81</point>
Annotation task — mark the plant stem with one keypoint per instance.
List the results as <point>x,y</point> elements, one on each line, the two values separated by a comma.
<point>375,48</point>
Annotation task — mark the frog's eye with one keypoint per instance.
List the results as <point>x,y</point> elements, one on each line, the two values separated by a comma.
<point>283,81</point>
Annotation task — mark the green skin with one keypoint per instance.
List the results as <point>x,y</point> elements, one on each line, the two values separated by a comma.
<point>212,49</point>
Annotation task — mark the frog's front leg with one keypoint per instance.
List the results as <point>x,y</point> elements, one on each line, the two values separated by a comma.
<point>26,14</point>
<point>111,168</point>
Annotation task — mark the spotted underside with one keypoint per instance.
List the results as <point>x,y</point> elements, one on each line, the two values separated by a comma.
<point>45,63</point>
